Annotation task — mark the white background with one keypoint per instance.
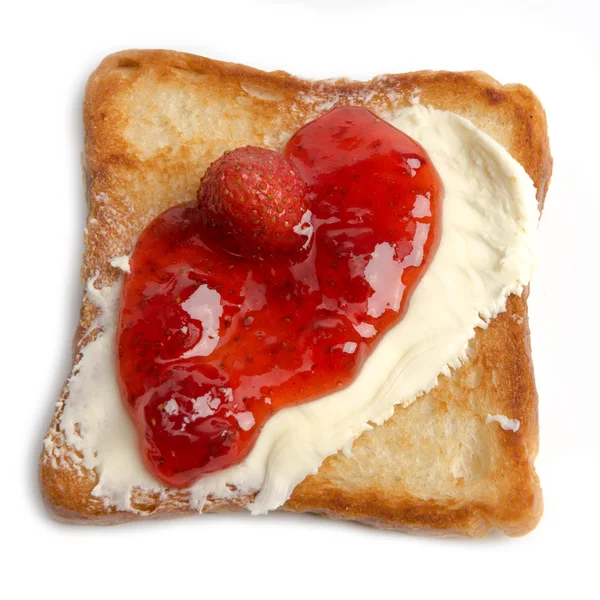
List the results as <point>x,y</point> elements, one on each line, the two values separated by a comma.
<point>48,50</point>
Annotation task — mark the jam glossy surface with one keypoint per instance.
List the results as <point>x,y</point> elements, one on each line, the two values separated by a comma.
<point>210,346</point>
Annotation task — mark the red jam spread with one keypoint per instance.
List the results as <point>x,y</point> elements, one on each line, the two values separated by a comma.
<point>210,345</point>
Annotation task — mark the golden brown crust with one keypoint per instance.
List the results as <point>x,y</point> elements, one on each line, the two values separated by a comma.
<point>512,500</point>
<point>144,153</point>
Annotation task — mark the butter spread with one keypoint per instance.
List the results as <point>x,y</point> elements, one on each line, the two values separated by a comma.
<point>121,262</point>
<point>486,253</point>
<point>504,422</point>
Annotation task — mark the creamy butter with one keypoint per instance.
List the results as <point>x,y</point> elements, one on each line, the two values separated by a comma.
<point>121,262</point>
<point>486,253</point>
<point>504,422</point>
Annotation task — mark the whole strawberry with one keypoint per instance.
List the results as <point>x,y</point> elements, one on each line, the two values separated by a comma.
<point>253,202</point>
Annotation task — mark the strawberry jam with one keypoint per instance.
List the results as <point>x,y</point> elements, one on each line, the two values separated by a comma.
<point>210,345</point>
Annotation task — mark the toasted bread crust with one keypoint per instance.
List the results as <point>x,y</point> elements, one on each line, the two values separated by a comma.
<point>138,162</point>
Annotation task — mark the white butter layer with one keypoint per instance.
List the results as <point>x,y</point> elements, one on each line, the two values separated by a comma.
<point>504,422</point>
<point>486,252</point>
<point>121,262</point>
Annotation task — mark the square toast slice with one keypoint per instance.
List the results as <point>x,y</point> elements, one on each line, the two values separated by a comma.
<point>154,121</point>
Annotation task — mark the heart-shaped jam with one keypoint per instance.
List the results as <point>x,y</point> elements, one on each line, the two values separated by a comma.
<point>211,344</point>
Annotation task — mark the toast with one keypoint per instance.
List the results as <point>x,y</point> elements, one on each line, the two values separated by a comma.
<point>154,121</point>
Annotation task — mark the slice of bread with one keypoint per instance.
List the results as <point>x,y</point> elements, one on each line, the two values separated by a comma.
<point>154,121</point>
